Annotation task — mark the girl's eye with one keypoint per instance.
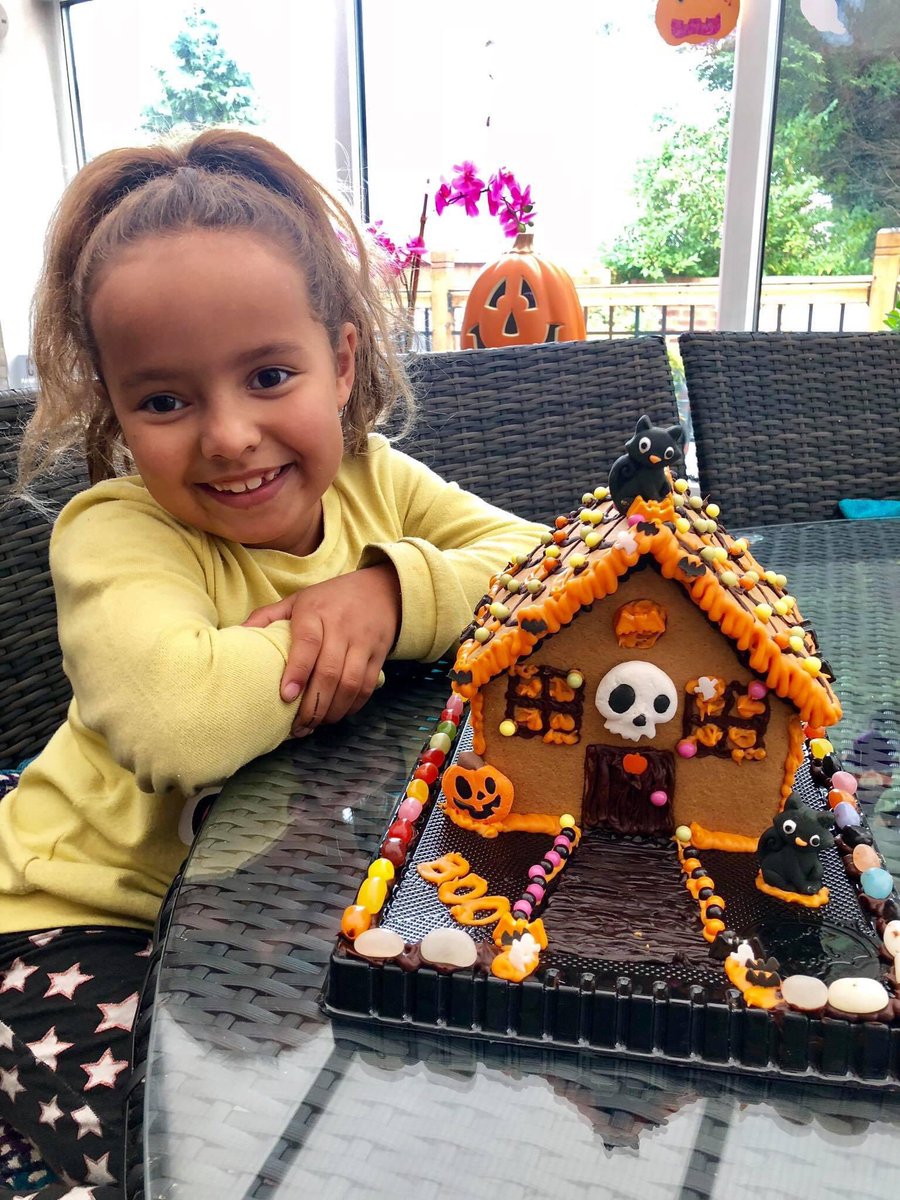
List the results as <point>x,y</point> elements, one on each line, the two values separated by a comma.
<point>271,377</point>
<point>162,405</point>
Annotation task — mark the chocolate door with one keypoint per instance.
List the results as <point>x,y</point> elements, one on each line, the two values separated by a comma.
<point>618,786</point>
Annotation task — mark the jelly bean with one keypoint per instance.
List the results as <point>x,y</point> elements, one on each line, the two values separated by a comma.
<point>447,715</point>
<point>434,756</point>
<point>400,829</point>
<point>659,798</point>
<point>845,814</point>
<point>372,894</point>
<point>356,919</point>
<point>836,797</point>
<point>410,809</point>
<point>686,749</point>
<point>845,781</point>
<point>381,868</point>
<point>439,741</point>
<point>877,883</point>
<point>455,704</point>
<point>426,771</point>
<point>447,727</point>
<point>394,850</point>
<point>819,747</point>
<point>417,789</point>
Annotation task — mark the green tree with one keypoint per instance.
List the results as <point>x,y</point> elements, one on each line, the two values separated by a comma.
<point>206,88</point>
<point>835,170</point>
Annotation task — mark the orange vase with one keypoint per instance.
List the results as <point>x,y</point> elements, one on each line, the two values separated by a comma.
<point>520,300</point>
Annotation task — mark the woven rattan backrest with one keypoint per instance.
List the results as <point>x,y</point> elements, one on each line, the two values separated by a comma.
<point>787,424</point>
<point>531,428</point>
<point>34,692</point>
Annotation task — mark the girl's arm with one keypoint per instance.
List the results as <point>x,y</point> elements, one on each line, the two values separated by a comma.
<point>179,701</point>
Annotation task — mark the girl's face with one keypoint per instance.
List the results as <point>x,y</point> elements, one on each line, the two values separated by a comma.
<point>226,387</point>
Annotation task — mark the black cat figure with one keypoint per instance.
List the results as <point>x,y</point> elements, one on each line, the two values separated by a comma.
<point>789,850</point>
<point>642,471</point>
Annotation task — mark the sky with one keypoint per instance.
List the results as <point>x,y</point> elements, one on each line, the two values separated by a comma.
<point>564,97</point>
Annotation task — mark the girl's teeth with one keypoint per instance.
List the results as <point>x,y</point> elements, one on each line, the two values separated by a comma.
<point>247,485</point>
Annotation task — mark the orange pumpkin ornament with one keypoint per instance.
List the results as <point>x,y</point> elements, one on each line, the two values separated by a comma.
<point>696,21</point>
<point>476,791</point>
<point>521,300</point>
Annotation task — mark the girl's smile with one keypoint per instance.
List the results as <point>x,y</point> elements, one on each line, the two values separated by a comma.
<point>226,386</point>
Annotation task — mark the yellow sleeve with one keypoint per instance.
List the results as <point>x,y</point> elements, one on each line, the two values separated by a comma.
<point>180,702</point>
<point>452,543</point>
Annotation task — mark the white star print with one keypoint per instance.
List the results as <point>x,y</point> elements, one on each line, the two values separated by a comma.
<point>9,1083</point>
<point>103,1072</point>
<point>50,1113</point>
<point>64,983</point>
<point>47,1049</point>
<point>87,1121</point>
<point>118,1016</point>
<point>14,979</point>
<point>97,1169</point>
<point>625,541</point>
<point>42,939</point>
<point>6,1036</point>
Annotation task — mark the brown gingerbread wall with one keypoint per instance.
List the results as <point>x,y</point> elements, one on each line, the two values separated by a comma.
<point>717,792</point>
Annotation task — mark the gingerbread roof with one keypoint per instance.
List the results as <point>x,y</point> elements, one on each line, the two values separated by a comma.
<point>590,550</point>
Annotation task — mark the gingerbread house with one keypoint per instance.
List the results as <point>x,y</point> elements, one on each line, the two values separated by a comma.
<point>641,671</point>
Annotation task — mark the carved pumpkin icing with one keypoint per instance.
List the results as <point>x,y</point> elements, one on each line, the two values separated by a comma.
<point>696,21</point>
<point>521,300</point>
<point>476,792</point>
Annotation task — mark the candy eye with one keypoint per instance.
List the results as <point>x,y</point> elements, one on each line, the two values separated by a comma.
<point>669,454</point>
<point>789,827</point>
<point>814,840</point>
<point>644,445</point>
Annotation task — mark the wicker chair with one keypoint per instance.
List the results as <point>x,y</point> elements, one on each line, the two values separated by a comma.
<point>34,693</point>
<point>788,424</point>
<point>531,428</point>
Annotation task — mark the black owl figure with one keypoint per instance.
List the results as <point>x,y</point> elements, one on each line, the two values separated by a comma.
<point>642,471</point>
<point>789,850</point>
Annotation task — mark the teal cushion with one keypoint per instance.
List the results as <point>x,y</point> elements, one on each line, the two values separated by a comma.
<point>869,510</point>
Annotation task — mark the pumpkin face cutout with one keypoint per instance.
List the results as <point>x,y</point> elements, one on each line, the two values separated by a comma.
<point>477,790</point>
<point>522,300</point>
<point>696,21</point>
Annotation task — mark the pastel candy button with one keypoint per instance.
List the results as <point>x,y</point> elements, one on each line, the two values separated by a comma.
<point>845,782</point>
<point>891,937</point>
<point>859,996</point>
<point>845,814</point>
<point>450,948</point>
<point>379,943</point>
<point>865,857</point>
<point>877,883</point>
<point>804,992</point>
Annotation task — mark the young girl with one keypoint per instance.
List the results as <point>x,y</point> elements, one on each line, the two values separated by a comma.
<point>206,314</point>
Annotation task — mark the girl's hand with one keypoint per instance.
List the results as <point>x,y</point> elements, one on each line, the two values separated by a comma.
<point>341,632</point>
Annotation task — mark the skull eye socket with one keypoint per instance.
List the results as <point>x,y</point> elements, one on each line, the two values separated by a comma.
<point>463,788</point>
<point>497,294</point>
<point>528,295</point>
<point>661,703</point>
<point>789,827</point>
<point>621,698</point>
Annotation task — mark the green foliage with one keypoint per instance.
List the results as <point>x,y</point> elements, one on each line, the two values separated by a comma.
<point>835,170</point>
<point>892,320</point>
<point>205,89</point>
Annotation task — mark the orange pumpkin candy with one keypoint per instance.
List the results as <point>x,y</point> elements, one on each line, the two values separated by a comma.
<point>696,21</point>
<point>477,790</point>
<point>521,300</point>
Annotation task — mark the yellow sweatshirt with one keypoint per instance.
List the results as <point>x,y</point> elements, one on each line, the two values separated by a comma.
<point>172,695</point>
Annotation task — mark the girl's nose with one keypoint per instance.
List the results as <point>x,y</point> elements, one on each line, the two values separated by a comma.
<point>229,429</point>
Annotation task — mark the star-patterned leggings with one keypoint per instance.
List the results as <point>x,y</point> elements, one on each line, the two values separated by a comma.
<point>68,999</point>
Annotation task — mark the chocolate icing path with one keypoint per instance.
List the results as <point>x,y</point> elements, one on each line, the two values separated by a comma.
<point>615,889</point>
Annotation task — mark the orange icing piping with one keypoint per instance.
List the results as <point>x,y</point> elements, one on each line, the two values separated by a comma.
<point>492,909</point>
<point>794,757</point>
<point>735,843</point>
<point>817,901</point>
<point>465,887</point>
<point>754,996</point>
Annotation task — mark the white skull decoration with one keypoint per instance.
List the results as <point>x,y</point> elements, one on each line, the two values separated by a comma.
<point>635,697</point>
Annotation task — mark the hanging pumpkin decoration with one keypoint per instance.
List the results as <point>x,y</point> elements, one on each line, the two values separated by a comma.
<point>696,21</point>
<point>476,791</point>
<point>521,300</point>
